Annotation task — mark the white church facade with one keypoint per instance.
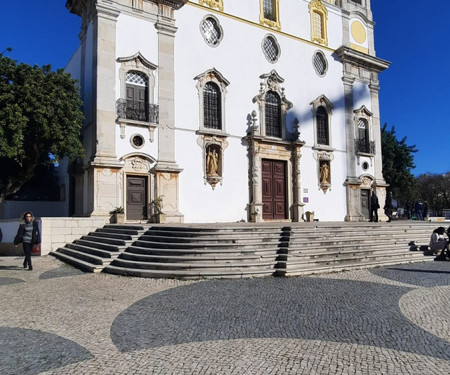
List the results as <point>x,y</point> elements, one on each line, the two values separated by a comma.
<point>228,110</point>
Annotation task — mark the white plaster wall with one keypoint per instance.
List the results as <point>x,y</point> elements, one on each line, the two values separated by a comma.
<point>135,35</point>
<point>124,146</point>
<point>240,59</point>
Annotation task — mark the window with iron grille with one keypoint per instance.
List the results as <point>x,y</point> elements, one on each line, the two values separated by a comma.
<point>211,31</point>
<point>323,137</point>
<point>271,48</point>
<point>269,10</point>
<point>273,114</point>
<point>212,106</point>
<point>318,24</point>
<point>320,63</point>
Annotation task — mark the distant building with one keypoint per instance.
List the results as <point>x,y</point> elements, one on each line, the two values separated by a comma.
<point>256,110</point>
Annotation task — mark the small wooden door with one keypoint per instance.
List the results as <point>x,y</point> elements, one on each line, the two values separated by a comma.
<point>365,203</point>
<point>136,197</point>
<point>274,189</point>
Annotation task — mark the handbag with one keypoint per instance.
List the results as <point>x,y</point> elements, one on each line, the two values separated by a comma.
<point>36,249</point>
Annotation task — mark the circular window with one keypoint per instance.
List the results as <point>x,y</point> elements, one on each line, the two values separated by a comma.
<point>320,63</point>
<point>271,48</point>
<point>211,30</point>
<point>137,141</point>
<point>365,165</point>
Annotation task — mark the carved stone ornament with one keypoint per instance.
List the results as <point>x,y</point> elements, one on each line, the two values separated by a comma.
<point>212,154</point>
<point>366,182</point>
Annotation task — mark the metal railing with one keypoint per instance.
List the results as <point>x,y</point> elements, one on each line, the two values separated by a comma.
<point>138,111</point>
<point>364,147</point>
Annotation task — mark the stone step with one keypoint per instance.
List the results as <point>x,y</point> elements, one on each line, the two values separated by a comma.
<point>205,250</point>
<point>358,258</point>
<point>342,267</point>
<point>205,245</point>
<point>211,238</point>
<point>127,227</point>
<point>95,260</point>
<point>192,266</point>
<point>78,263</point>
<point>89,250</point>
<point>110,241</point>
<point>188,274</point>
<point>117,236</point>
<point>131,232</point>
<point>99,245</point>
<point>235,257</point>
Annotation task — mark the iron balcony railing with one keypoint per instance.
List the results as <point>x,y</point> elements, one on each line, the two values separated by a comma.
<point>138,111</point>
<point>364,147</point>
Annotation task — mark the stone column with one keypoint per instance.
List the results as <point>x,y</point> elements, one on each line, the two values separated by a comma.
<point>352,182</point>
<point>166,168</point>
<point>379,183</point>
<point>256,206</point>
<point>297,206</point>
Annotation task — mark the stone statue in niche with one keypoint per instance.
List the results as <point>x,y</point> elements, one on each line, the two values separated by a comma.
<point>325,172</point>
<point>212,162</point>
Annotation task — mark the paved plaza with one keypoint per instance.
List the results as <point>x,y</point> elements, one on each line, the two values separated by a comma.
<point>388,320</point>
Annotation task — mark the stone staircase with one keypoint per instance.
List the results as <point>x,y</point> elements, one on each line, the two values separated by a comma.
<point>97,249</point>
<point>245,249</point>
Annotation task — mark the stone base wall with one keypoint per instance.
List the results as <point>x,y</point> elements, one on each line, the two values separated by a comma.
<point>55,232</point>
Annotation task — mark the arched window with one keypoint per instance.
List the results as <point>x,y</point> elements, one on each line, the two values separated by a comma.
<point>137,96</point>
<point>212,108</point>
<point>318,25</point>
<point>273,114</point>
<point>323,136</point>
<point>319,16</point>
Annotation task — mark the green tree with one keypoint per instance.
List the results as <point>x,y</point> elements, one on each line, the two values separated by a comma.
<point>398,160</point>
<point>40,114</point>
<point>435,190</point>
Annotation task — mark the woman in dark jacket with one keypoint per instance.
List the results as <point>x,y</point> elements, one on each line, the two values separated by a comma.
<point>28,234</point>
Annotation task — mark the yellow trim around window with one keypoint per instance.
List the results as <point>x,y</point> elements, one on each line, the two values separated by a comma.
<point>214,4</point>
<point>265,21</point>
<point>316,7</point>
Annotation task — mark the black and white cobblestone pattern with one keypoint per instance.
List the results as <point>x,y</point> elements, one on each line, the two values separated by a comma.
<point>389,320</point>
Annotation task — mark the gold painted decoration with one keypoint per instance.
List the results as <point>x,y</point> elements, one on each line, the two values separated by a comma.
<point>319,19</point>
<point>213,4</point>
<point>358,32</point>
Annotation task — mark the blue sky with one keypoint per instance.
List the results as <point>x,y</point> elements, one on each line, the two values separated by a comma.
<point>415,90</point>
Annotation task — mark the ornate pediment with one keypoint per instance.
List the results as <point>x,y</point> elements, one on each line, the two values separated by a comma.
<point>138,58</point>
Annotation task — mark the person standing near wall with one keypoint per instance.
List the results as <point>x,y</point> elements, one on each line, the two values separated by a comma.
<point>374,206</point>
<point>28,234</point>
<point>388,206</point>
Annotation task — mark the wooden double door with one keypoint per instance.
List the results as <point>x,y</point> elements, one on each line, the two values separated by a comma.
<point>137,197</point>
<point>274,195</point>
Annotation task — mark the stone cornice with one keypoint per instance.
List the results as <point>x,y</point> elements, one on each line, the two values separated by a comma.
<point>175,4</point>
<point>374,64</point>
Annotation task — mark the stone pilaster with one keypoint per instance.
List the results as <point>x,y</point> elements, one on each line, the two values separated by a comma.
<point>166,169</point>
<point>352,182</point>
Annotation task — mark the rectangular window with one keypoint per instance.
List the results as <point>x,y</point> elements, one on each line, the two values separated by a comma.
<point>318,27</point>
<point>269,10</point>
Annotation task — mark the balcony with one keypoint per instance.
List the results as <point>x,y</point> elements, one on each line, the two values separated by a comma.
<point>364,147</point>
<point>137,111</point>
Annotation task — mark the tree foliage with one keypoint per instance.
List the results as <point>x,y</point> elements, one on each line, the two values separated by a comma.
<point>435,190</point>
<point>40,113</point>
<point>398,160</point>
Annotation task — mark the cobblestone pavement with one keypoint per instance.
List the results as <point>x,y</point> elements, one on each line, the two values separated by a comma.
<point>388,320</point>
